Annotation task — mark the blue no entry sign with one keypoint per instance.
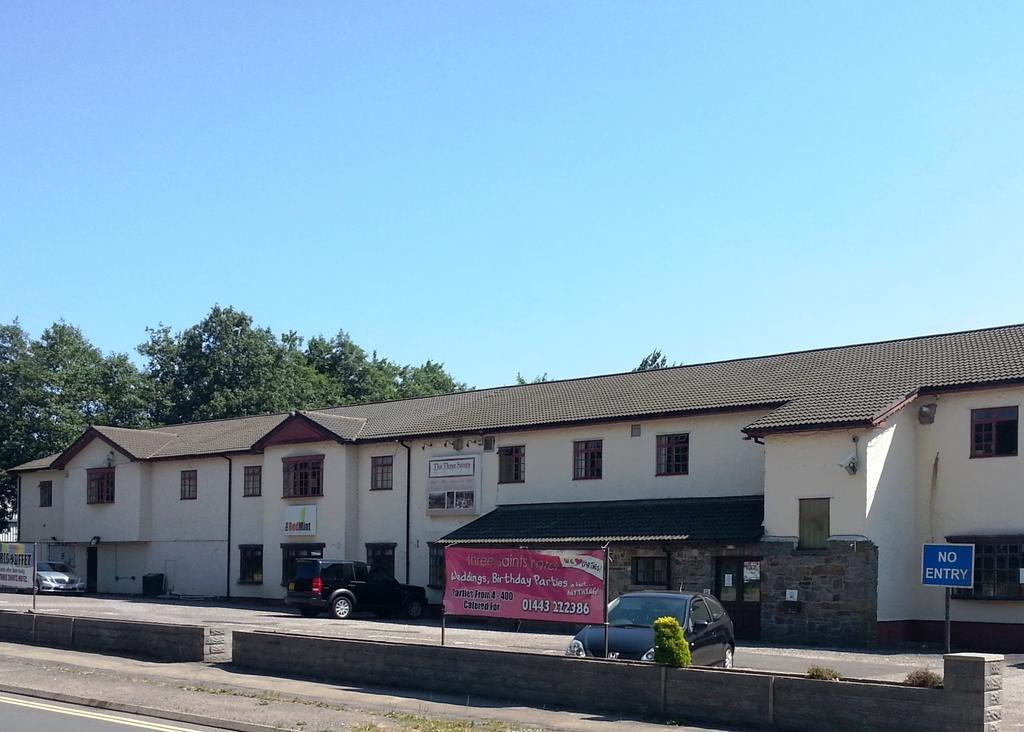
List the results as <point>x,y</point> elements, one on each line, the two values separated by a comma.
<point>948,565</point>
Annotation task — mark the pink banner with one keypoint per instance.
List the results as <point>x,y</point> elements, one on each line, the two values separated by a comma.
<point>559,585</point>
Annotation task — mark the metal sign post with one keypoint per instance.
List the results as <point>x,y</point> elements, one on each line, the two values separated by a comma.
<point>35,581</point>
<point>444,616</point>
<point>948,566</point>
<point>605,547</point>
<point>947,621</point>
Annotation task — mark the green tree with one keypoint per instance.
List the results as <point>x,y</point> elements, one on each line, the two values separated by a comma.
<point>540,379</point>
<point>427,380</point>
<point>654,360</point>
<point>52,388</point>
<point>224,366</point>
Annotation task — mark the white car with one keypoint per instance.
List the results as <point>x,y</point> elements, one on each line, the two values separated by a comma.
<point>57,577</point>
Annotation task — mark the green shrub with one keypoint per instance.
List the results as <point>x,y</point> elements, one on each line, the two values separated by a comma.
<point>670,646</point>
<point>823,673</point>
<point>923,677</point>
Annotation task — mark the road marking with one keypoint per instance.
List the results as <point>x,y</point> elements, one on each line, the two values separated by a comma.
<point>42,706</point>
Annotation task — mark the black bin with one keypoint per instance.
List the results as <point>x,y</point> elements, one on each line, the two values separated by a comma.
<point>153,584</point>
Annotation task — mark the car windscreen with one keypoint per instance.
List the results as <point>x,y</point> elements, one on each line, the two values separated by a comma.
<point>306,569</point>
<point>641,610</point>
<point>54,567</point>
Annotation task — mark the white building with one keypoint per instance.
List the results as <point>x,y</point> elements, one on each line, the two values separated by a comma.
<point>821,472</point>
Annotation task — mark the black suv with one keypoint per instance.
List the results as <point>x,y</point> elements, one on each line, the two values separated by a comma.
<point>341,586</point>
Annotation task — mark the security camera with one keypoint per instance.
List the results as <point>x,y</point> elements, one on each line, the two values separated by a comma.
<point>849,463</point>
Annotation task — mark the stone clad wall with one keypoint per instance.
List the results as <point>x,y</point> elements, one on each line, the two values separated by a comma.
<point>838,601</point>
<point>838,593</point>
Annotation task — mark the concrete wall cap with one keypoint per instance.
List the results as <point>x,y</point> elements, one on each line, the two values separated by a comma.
<point>978,657</point>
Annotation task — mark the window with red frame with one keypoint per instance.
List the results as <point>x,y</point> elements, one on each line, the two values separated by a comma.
<point>253,481</point>
<point>100,486</point>
<point>382,472</point>
<point>304,476</point>
<point>587,459</point>
<point>673,454</point>
<point>512,464</point>
<point>189,485</point>
<point>994,432</point>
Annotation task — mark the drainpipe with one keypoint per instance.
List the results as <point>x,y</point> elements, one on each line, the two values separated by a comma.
<point>228,583</point>
<point>408,503</point>
<point>17,479</point>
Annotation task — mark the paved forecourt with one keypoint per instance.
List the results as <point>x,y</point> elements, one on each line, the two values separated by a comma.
<point>232,616</point>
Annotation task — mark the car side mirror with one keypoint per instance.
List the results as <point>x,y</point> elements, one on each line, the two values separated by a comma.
<point>700,625</point>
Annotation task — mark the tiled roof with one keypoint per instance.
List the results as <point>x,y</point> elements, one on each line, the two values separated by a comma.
<point>691,519</point>
<point>849,385</point>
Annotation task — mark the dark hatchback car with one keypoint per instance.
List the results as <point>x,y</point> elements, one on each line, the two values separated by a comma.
<point>341,586</point>
<point>631,618</point>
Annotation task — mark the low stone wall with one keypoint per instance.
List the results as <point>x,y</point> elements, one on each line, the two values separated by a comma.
<point>161,641</point>
<point>969,700</point>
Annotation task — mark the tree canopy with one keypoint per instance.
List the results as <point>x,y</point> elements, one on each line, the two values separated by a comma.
<point>54,386</point>
<point>654,360</point>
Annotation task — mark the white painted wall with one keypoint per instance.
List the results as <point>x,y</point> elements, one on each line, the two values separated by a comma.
<point>37,523</point>
<point>890,478</point>
<point>332,508</point>
<point>121,520</point>
<point>247,522</point>
<point>721,463</point>
<point>959,495</point>
<point>806,465</point>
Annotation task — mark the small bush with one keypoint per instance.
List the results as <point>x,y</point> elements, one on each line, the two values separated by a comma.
<point>923,677</point>
<point>822,673</point>
<point>670,646</point>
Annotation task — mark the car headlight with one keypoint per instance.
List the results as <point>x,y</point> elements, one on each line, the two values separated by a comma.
<point>649,656</point>
<point>49,581</point>
<point>575,648</point>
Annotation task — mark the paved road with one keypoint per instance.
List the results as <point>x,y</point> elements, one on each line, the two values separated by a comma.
<point>39,715</point>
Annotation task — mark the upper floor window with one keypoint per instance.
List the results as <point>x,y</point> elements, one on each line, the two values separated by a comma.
<point>673,454</point>
<point>586,462</point>
<point>189,485</point>
<point>100,485</point>
<point>814,523</point>
<point>252,484</point>
<point>382,473</point>
<point>303,476</point>
<point>512,464</point>
<point>45,493</point>
<point>994,432</point>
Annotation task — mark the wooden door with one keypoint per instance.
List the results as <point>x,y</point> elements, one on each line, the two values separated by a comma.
<point>738,587</point>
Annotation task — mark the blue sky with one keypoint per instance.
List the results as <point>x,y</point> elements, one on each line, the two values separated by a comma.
<point>534,187</point>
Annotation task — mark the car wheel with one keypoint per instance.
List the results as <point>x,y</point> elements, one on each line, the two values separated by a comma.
<point>413,608</point>
<point>729,657</point>
<point>341,607</point>
<point>309,612</point>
